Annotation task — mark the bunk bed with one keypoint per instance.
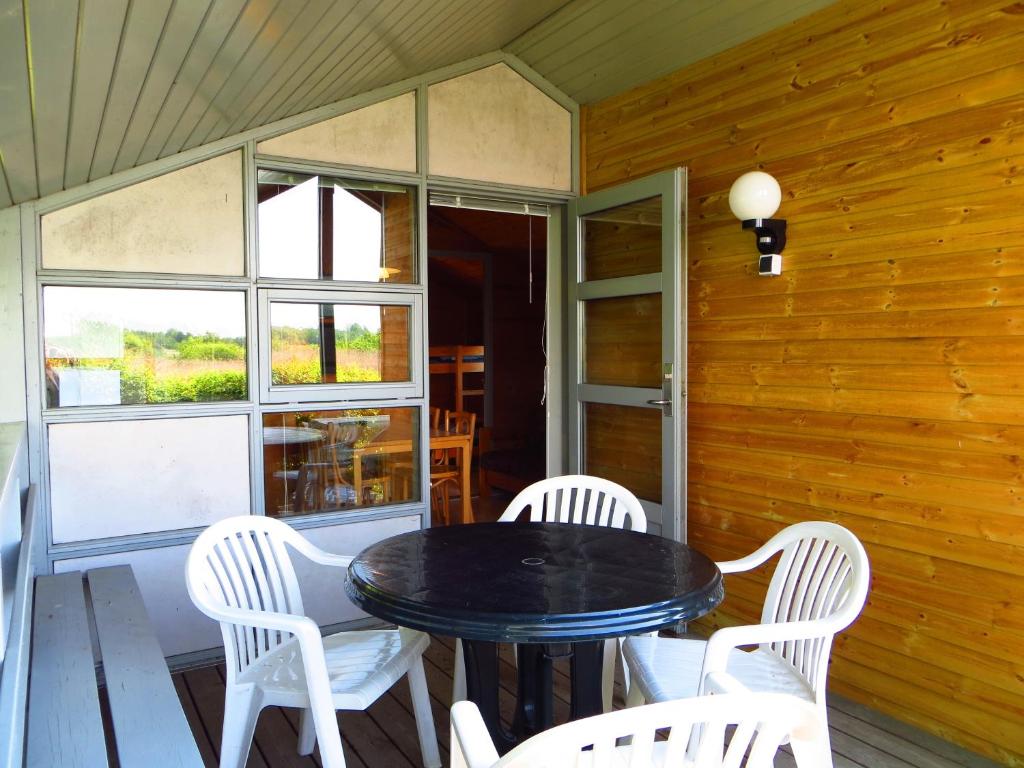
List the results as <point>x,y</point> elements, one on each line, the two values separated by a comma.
<point>459,361</point>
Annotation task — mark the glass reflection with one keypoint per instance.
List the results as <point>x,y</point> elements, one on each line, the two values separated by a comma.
<point>623,241</point>
<point>338,343</point>
<point>124,346</point>
<point>323,228</point>
<point>321,461</point>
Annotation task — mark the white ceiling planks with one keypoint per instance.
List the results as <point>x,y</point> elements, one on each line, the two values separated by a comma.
<point>216,26</point>
<point>265,108</point>
<point>253,18</point>
<point>143,29</point>
<point>256,71</point>
<point>90,87</point>
<point>17,144</point>
<point>180,30</point>
<point>99,30</point>
<point>395,51</point>
<point>593,49</point>
<point>351,57</point>
<point>51,78</point>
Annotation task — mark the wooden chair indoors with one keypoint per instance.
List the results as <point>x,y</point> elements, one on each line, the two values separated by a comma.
<point>446,465</point>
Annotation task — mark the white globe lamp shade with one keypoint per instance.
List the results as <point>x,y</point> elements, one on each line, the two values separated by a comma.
<point>755,195</point>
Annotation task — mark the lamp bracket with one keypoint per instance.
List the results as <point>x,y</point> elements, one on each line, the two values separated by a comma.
<point>771,234</point>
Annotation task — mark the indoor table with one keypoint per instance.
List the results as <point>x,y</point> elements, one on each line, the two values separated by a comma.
<point>555,589</point>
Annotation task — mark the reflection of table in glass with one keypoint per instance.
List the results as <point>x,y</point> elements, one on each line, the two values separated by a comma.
<point>398,439</point>
<point>556,589</point>
<point>286,437</point>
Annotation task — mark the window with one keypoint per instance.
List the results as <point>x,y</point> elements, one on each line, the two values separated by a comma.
<point>325,228</point>
<point>320,345</point>
<point>331,460</point>
<point>122,346</point>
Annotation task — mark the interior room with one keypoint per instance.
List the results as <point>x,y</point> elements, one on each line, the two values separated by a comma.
<point>722,300</point>
<point>487,271</point>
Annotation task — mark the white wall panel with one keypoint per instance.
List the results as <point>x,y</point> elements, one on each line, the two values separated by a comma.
<point>12,329</point>
<point>116,478</point>
<point>494,125</point>
<point>183,629</point>
<point>379,136</point>
<point>188,221</point>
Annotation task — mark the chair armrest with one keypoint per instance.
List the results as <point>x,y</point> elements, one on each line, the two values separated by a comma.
<point>300,626</point>
<point>723,682</point>
<point>748,562</point>
<point>471,745</point>
<point>317,555</point>
<point>722,641</point>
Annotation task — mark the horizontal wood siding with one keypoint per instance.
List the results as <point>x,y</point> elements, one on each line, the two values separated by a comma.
<point>878,381</point>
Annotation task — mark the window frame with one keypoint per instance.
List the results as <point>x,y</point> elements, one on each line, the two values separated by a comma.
<point>349,391</point>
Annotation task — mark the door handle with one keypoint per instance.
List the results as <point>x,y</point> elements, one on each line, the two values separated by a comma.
<point>658,402</point>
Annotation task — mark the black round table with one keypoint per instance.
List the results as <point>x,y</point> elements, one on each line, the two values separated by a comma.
<point>555,589</point>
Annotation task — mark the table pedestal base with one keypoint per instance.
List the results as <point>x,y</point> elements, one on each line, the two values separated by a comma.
<point>534,706</point>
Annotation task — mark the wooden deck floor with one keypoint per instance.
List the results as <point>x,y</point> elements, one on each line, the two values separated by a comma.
<point>385,735</point>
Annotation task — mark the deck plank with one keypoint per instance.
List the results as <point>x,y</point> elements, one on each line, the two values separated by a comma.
<point>385,735</point>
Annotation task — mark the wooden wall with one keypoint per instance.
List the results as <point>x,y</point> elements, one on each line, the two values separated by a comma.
<point>879,382</point>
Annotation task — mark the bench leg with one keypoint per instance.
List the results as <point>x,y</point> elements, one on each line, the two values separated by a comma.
<point>242,707</point>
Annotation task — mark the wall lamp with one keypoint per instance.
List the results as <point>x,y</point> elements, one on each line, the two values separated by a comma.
<point>754,198</point>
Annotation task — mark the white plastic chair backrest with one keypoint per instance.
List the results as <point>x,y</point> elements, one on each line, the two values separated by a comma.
<point>580,499</point>
<point>822,577</point>
<point>763,721</point>
<point>243,563</point>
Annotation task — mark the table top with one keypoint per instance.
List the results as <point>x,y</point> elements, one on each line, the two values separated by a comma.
<point>533,582</point>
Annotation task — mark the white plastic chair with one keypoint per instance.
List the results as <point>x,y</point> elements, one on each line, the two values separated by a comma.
<point>818,588</point>
<point>696,740</point>
<point>240,573</point>
<point>582,500</point>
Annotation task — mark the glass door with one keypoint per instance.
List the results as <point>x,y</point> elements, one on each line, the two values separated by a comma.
<point>626,304</point>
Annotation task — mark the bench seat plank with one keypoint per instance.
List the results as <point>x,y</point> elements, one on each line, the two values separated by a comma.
<point>150,727</point>
<point>64,723</point>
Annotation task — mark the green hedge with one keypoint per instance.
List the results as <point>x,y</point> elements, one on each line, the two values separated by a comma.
<point>140,386</point>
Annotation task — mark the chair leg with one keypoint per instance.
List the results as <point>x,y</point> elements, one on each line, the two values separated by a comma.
<point>611,650</point>
<point>634,696</point>
<point>307,733</point>
<point>424,716</point>
<point>242,707</point>
<point>328,733</point>
<point>459,674</point>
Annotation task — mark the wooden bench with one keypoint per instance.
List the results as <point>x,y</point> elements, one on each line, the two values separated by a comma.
<point>65,715</point>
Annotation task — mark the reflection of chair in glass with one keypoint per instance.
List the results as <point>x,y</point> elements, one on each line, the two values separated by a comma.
<point>583,500</point>
<point>318,487</point>
<point>696,737</point>
<point>446,465</point>
<point>818,588</point>
<point>341,439</point>
<point>239,572</point>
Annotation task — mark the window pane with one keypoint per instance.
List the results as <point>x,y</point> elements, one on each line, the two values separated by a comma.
<point>317,461</point>
<point>121,346</point>
<point>623,444</point>
<point>338,343</point>
<point>323,228</point>
<point>623,341</point>
<point>623,241</point>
